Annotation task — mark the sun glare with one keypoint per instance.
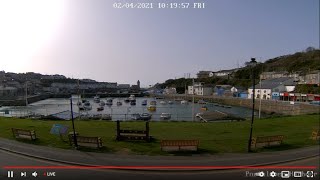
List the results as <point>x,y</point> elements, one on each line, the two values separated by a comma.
<point>25,27</point>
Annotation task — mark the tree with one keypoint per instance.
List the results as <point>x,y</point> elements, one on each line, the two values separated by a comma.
<point>309,49</point>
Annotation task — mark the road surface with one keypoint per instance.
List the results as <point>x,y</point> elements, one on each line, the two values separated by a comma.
<point>10,159</point>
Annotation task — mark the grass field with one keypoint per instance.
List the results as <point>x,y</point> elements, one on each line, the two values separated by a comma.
<point>219,137</point>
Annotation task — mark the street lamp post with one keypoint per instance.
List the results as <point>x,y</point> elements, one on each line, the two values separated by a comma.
<point>74,131</point>
<point>193,91</point>
<point>253,62</point>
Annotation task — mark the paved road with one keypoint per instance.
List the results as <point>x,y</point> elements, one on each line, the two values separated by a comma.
<point>10,159</point>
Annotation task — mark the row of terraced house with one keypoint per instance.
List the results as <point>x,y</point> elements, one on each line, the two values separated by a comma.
<point>272,86</point>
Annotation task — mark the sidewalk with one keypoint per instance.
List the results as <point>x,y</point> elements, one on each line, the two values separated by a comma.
<point>75,157</point>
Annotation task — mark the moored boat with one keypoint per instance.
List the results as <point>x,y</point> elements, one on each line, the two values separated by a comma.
<point>163,102</point>
<point>145,116</point>
<point>100,108</point>
<point>153,103</point>
<point>87,106</point>
<point>204,108</point>
<point>132,98</point>
<point>96,99</point>
<point>202,102</point>
<point>170,102</point>
<point>184,102</point>
<point>119,103</point>
<point>133,103</point>
<point>106,117</point>
<point>102,103</point>
<point>165,116</point>
<point>152,108</point>
<point>135,116</point>
<point>144,103</point>
<point>109,102</point>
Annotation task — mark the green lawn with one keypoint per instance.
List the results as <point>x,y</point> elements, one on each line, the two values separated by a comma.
<point>220,137</point>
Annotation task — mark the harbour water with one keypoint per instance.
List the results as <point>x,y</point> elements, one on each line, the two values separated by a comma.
<point>178,111</point>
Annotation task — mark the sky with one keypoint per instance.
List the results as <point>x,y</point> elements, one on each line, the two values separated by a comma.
<point>92,39</point>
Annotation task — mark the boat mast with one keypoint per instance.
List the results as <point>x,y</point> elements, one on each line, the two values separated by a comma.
<point>78,91</point>
<point>26,93</point>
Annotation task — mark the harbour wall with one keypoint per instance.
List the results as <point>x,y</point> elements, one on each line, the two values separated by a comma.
<point>267,106</point>
<point>20,101</point>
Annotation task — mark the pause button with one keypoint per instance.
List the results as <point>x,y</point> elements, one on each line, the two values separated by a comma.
<point>10,174</point>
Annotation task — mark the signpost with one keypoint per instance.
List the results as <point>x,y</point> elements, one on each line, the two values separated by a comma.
<point>59,129</point>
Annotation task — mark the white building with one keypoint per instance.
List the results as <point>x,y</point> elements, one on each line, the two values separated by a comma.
<point>205,74</point>
<point>170,90</point>
<point>199,89</point>
<point>265,89</point>
<point>8,91</point>
<point>223,73</point>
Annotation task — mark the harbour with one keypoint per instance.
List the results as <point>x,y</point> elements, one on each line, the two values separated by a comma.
<point>119,108</point>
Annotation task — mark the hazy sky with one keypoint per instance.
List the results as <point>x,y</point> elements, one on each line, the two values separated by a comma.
<point>91,39</point>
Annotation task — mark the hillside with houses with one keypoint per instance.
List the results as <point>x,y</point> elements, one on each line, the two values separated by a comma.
<point>18,85</point>
<point>292,77</point>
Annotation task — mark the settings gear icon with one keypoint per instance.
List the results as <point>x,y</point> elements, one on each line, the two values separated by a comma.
<point>273,174</point>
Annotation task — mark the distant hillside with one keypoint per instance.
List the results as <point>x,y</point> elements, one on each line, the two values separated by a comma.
<point>302,62</point>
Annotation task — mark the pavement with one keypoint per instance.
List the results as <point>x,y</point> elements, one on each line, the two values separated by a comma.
<point>81,158</point>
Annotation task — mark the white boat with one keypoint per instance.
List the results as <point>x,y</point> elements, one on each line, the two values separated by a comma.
<point>132,97</point>
<point>106,117</point>
<point>165,116</point>
<point>184,102</point>
<point>102,103</point>
<point>170,102</point>
<point>163,102</point>
<point>96,99</point>
<point>109,102</point>
<point>135,116</point>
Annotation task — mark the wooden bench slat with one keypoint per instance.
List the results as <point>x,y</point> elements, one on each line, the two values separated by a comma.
<point>129,134</point>
<point>133,131</point>
<point>178,145</point>
<point>24,134</point>
<point>86,141</point>
<point>315,135</point>
<point>265,141</point>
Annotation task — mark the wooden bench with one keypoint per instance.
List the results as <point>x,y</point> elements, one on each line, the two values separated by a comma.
<point>179,145</point>
<point>315,135</point>
<point>24,134</point>
<point>266,141</point>
<point>125,134</point>
<point>92,142</point>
